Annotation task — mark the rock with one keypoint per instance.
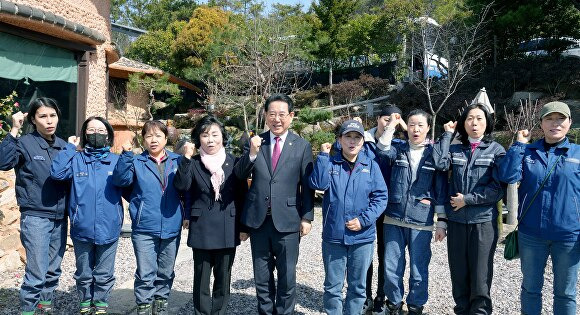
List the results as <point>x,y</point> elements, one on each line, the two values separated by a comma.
<point>524,95</point>
<point>8,197</point>
<point>10,242</point>
<point>10,261</point>
<point>10,216</point>
<point>22,252</point>
<point>4,184</point>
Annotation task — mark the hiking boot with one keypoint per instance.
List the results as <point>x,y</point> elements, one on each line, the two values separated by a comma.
<point>85,308</point>
<point>160,307</point>
<point>144,309</point>
<point>101,308</point>
<point>44,308</point>
<point>394,309</point>
<point>415,310</point>
<point>367,306</point>
<point>379,306</point>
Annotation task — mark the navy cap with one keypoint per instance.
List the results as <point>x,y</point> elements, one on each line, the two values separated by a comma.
<point>352,125</point>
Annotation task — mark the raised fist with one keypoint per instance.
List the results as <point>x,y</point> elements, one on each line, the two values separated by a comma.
<point>74,140</point>
<point>450,126</point>
<point>18,120</point>
<point>127,146</point>
<point>524,136</point>
<point>188,150</point>
<point>393,120</point>
<point>325,147</point>
<point>255,144</point>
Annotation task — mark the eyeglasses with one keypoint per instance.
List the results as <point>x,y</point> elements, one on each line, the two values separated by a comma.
<point>272,115</point>
<point>102,131</point>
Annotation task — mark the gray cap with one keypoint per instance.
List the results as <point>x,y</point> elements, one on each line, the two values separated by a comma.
<point>352,125</point>
<point>555,107</point>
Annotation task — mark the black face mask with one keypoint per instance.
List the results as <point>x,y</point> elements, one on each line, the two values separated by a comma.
<point>96,140</point>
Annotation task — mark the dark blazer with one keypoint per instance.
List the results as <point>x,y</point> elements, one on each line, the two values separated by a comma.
<point>286,189</point>
<point>212,224</point>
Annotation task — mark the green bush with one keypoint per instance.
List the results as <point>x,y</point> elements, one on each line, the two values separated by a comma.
<point>319,137</point>
<point>311,116</point>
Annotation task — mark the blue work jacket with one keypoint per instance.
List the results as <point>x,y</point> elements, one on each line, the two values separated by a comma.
<point>358,193</point>
<point>95,205</point>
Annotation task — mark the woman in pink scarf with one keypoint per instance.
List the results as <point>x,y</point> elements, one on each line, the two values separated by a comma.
<point>213,219</point>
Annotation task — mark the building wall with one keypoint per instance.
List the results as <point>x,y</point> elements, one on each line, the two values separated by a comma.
<point>89,13</point>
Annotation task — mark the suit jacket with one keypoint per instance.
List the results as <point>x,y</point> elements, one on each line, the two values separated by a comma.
<point>285,189</point>
<point>212,224</point>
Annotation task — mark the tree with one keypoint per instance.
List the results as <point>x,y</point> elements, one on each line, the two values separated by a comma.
<point>329,33</point>
<point>153,84</point>
<point>151,15</point>
<point>155,48</point>
<point>456,49</point>
<point>194,42</point>
<point>517,21</point>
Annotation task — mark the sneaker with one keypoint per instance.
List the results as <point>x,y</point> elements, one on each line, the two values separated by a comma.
<point>367,306</point>
<point>393,309</point>
<point>44,307</point>
<point>85,308</point>
<point>160,307</point>
<point>379,306</point>
<point>415,310</point>
<point>144,309</point>
<point>101,308</point>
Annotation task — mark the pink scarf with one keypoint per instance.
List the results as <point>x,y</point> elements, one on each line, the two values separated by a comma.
<point>214,163</point>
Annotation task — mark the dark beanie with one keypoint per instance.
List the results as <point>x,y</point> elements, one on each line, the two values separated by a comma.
<point>391,109</point>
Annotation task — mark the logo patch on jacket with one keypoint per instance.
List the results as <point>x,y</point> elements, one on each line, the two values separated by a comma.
<point>365,170</point>
<point>82,174</point>
<point>39,158</point>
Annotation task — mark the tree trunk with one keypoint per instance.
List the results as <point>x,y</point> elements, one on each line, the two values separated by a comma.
<point>434,123</point>
<point>330,98</point>
<point>512,204</point>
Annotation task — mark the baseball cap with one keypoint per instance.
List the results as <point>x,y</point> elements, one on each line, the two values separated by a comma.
<point>391,109</point>
<point>352,125</point>
<point>555,107</point>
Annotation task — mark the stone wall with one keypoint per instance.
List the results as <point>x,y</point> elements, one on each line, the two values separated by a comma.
<point>12,253</point>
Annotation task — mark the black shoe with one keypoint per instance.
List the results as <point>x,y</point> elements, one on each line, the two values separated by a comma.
<point>415,310</point>
<point>367,306</point>
<point>379,306</point>
<point>394,309</point>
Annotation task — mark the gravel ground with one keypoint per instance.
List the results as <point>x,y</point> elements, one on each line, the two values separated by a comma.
<point>310,275</point>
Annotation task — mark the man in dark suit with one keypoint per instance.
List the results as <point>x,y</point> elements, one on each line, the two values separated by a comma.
<point>279,205</point>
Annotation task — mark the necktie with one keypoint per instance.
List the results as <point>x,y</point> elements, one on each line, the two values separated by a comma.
<point>276,153</point>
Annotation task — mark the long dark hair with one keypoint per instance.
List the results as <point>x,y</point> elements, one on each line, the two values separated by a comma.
<point>38,103</point>
<point>203,125</point>
<point>460,129</point>
<point>110,132</point>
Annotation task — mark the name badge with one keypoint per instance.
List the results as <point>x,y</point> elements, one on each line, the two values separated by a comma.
<point>39,158</point>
